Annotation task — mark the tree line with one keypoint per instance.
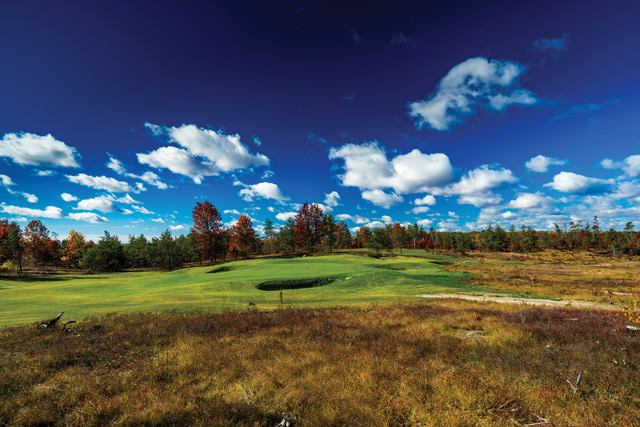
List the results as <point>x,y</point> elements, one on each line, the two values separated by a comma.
<point>310,230</point>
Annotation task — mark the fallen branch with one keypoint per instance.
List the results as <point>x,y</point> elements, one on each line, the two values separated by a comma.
<point>49,323</point>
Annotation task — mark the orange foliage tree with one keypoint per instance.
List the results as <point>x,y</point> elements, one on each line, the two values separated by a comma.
<point>208,230</point>
<point>242,238</point>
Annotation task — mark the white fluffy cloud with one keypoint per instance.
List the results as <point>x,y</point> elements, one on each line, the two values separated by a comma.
<point>204,152</point>
<point>35,150</point>
<point>420,209</point>
<point>473,84</point>
<point>48,212</point>
<point>178,227</point>
<point>367,168</point>
<point>68,197</point>
<point>541,163</point>
<point>428,200</point>
<point>357,219</point>
<point>630,165</point>
<point>331,199</point>
<point>380,198</point>
<point>149,177</point>
<point>478,181</point>
<point>532,201</point>
<point>101,203</point>
<point>88,217</point>
<point>101,183</point>
<point>231,211</point>
<point>283,216</point>
<point>571,183</point>
<point>6,181</point>
<point>262,190</point>
<point>160,220</point>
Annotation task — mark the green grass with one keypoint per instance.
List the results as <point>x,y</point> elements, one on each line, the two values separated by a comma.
<point>357,280</point>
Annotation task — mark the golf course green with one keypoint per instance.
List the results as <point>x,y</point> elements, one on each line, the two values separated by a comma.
<point>318,281</point>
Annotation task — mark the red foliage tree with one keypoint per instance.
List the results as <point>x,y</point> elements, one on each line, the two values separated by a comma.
<point>309,226</point>
<point>242,239</point>
<point>208,230</point>
<point>36,237</point>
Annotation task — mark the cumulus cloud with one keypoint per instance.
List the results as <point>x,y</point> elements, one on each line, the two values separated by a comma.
<point>262,190</point>
<point>231,211</point>
<point>68,197</point>
<point>48,212</point>
<point>366,167</point>
<point>160,220</point>
<point>31,198</point>
<point>142,210</point>
<point>178,227</point>
<point>354,218</point>
<point>469,86</point>
<point>541,163</point>
<point>380,198</point>
<point>149,177</point>
<point>478,181</point>
<point>331,199</point>
<point>558,44</point>
<point>630,165</point>
<point>88,217</point>
<point>532,202</point>
<point>425,222</point>
<point>283,216</point>
<point>6,181</point>
<point>420,209</point>
<point>45,173</point>
<point>204,152</point>
<point>568,182</point>
<point>101,183</point>
<point>426,200</point>
<point>35,150</point>
<point>102,203</point>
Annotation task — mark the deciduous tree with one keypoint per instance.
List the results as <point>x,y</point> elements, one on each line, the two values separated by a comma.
<point>242,237</point>
<point>208,230</point>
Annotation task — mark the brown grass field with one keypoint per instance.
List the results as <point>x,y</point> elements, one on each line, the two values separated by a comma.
<point>435,363</point>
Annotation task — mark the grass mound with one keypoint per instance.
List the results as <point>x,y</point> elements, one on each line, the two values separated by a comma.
<point>276,285</point>
<point>222,269</point>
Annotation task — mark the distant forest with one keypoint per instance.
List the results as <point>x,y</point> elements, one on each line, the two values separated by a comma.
<point>311,230</point>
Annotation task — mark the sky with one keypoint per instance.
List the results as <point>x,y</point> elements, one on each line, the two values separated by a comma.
<point>456,115</point>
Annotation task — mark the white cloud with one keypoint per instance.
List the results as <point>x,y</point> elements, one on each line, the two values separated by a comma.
<point>31,198</point>
<point>6,181</point>
<point>48,212</point>
<point>264,190</point>
<point>45,173</point>
<point>88,217</point>
<point>35,150</point>
<point>231,211</point>
<point>541,163</point>
<point>568,182</point>
<point>508,215</point>
<point>68,197</point>
<point>386,219</point>
<point>473,84</point>
<point>480,200</point>
<point>420,209</point>
<point>142,210</point>
<point>205,152</point>
<point>283,216</point>
<point>149,177</point>
<point>178,227</point>
<point>367,168</point>
<point>101,203</point>
<point>357,219</point>
<point>426,200</point>
<point>380,198</point>
<point>528,201</point>
<point>178,161</point>
<point>476,181</point>
<point>331,199</point>
<point>101,183</point>
<point>630,165</point>
<point>424,222</point>
<point>160,220</point>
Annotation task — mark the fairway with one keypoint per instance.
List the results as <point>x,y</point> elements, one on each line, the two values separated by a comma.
<point>337,280</point>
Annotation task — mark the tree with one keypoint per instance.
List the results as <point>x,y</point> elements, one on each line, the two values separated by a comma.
<point>11,246</point>
<point>137,252</point>
<point>73,249</point>
<point>330,230</point>
<point>398,236</point>
<point>167,250</point>
<point>269,232</point>
<point>209,230</point>
<point>242,237</point>
<point>107,255</point>
<point>363,237</point>
<point>309,226</point>
<point>381,238</point>
<point>286,235</point>
<point>343,236</point>
<point>37,239</point>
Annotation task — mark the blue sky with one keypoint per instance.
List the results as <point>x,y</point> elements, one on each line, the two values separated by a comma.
<point>455,115</point>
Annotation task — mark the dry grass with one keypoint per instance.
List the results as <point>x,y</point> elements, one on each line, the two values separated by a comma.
<point>445,363</point>
<point>557,274</point>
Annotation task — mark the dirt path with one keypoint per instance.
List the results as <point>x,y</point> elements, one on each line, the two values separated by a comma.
<point>528,301</point>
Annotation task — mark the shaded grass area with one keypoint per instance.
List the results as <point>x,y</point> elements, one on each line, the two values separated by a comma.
<point>449,363</point>
<point>356,281</point>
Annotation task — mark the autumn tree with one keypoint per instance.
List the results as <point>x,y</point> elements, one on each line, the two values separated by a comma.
<point>11,243</point>
<point>309,226</point>
<point>363,237</point>
<point>398,236</point>
<point>73,249</point>
<point>36,237</point>
<point>343,236</point>
<point>208,230</point>
<point>242,237</point>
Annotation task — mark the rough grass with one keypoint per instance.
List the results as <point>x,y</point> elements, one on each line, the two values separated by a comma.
<point>358,280</point>
<point>556,274</point>
<point>445,363</point>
